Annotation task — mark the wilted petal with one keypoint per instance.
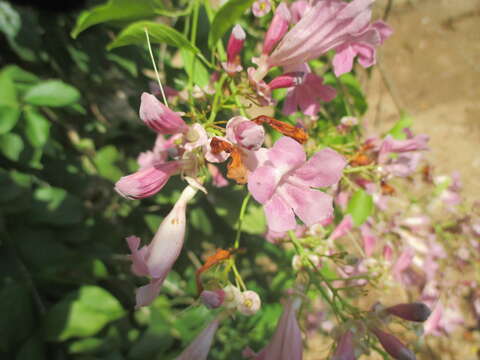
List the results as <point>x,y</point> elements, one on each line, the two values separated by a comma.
<point>160,118</point>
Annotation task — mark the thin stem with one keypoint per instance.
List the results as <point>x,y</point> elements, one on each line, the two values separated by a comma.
<point>240,220</point>
<point>155,67</point>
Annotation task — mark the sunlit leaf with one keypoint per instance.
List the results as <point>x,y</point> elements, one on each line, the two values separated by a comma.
<point>53,93</point>
<point>360,207</point>
<point>37,127</point>
<point>11,145</point>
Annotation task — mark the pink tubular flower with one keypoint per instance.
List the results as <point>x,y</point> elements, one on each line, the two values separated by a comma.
<point>307,93</point>
<point>286,343</point>
<point>234,47</point>
<point>345,349</point>
<point>200,347</point>
<point>156,259</point>
<point>261,8</point>
<point>283,184</point>
<point>160,118</point>
<point>363,44</point>
<point>277,29</point>
<point>326,26</point>
<point>391,145</point>
<point>146,181</point>
<point>218,180</point>
<point>393,346</point>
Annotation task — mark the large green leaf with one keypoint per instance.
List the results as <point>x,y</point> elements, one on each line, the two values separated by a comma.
<point>37,127</point>
<point>53,93</point>
<point>360,207</point>
<point>11,145</point>
<point>158,33</point>
<point>116,10</point>
<point>195,70</point>
<point>82,313</point>
<point>225,18</point>
<point>9,109</point>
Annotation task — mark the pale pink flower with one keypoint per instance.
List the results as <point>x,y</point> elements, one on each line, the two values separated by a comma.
<point>261,8</point>
<point>162,150</point>
<point>345,348</point>
<point>326,26</point>
<point>234,47</point>
<point>286,343</point>
<point>403,263</point>
<point>156,259</point>
<point>391,145</point>
<point>393,346</point>
<point>245,133</point>
<point>362,44</point>
<point>160,118</point>
<point>282,183</point>
<point>298,9</point>
<point>369,238</point>
<point>343,228</point>
<point>200,347</point>
<point>146,181</point>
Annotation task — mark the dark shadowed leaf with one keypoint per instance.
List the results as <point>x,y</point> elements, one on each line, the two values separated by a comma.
<point>37,127</point>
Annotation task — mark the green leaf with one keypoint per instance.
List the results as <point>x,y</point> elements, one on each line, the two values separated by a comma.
<point>32,349</point>
<point>174,13</point>
<point>360,207</point>
<point>37,127</point>
<point>9,108</point>
<point>254,221</point>
<point>17,74</point>
<point>158,33</point>
<point>53,93</point>
<point>115,10</point>
<point>225,18</point>
<point>11,145</point>
<point>397,130</point>
<point>55,206</point>
<point>197,70</point>
<point>105,161</point>
<point>82,313</point>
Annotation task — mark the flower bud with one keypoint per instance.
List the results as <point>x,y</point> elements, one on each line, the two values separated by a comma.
<point>160,118</point>
<point>235,43</point>
<point>249,303</point>
<point>277,29</point>
<point>416,311</point>
<point>146,182</point>
<point>393,346</point>
<point>245,133</point>
<point>286,80</point>
<point>233,296</point>
<point>212,299</point>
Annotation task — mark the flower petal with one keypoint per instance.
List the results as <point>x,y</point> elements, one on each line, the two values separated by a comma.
<point>286,154</point>
<point>280,216</point>
<point>262,183</point>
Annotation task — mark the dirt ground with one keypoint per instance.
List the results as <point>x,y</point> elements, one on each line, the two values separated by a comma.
<point>430,68</point>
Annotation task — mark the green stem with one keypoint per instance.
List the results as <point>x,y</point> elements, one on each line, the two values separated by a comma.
<point>240,220</point>
<point>218,93</point>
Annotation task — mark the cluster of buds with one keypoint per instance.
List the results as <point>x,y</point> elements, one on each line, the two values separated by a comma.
<point>246,302</point>
<point>349,344</point>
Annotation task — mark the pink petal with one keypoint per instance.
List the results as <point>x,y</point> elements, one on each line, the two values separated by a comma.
<point>159,117</point>
<point>139,265</point>
<point>311,206</point>
<point>343,228</point>
<point>343,60</point>
<point>262,183</point>
<point>280,216</point>
<point>286,154</point>
<point>200,347</point>
<point>147,293</point>
<point>369,239</point>
<point>278,28</point>
<point>325,168</point>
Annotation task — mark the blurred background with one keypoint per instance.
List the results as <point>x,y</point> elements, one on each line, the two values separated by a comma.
<point>69,129</point>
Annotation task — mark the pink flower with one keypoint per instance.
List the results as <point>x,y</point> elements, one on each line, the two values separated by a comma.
<point>393,346</point>
<point>160,118</point>
<point>218,180</point>
<point>261,8</point>
<point>245,133</point>
<point>403,263</point>
<point>156,259</point>
<point>326,26</point>
<point>369,239</point>
<point>345,349</point>
<point>162,149</point>
<point>298,9</point>
<point>286,343</point>
<point>212,299</point>
<point>146,181</point>
<point>363,44</point>
<point>200,347</point>
<point>234,47</point>
<point>278,27</point>
<point>343,228</point>
<point>416,311</point>
<point>391,145</point>
<point>306,95</point>
<point>282,183</point>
